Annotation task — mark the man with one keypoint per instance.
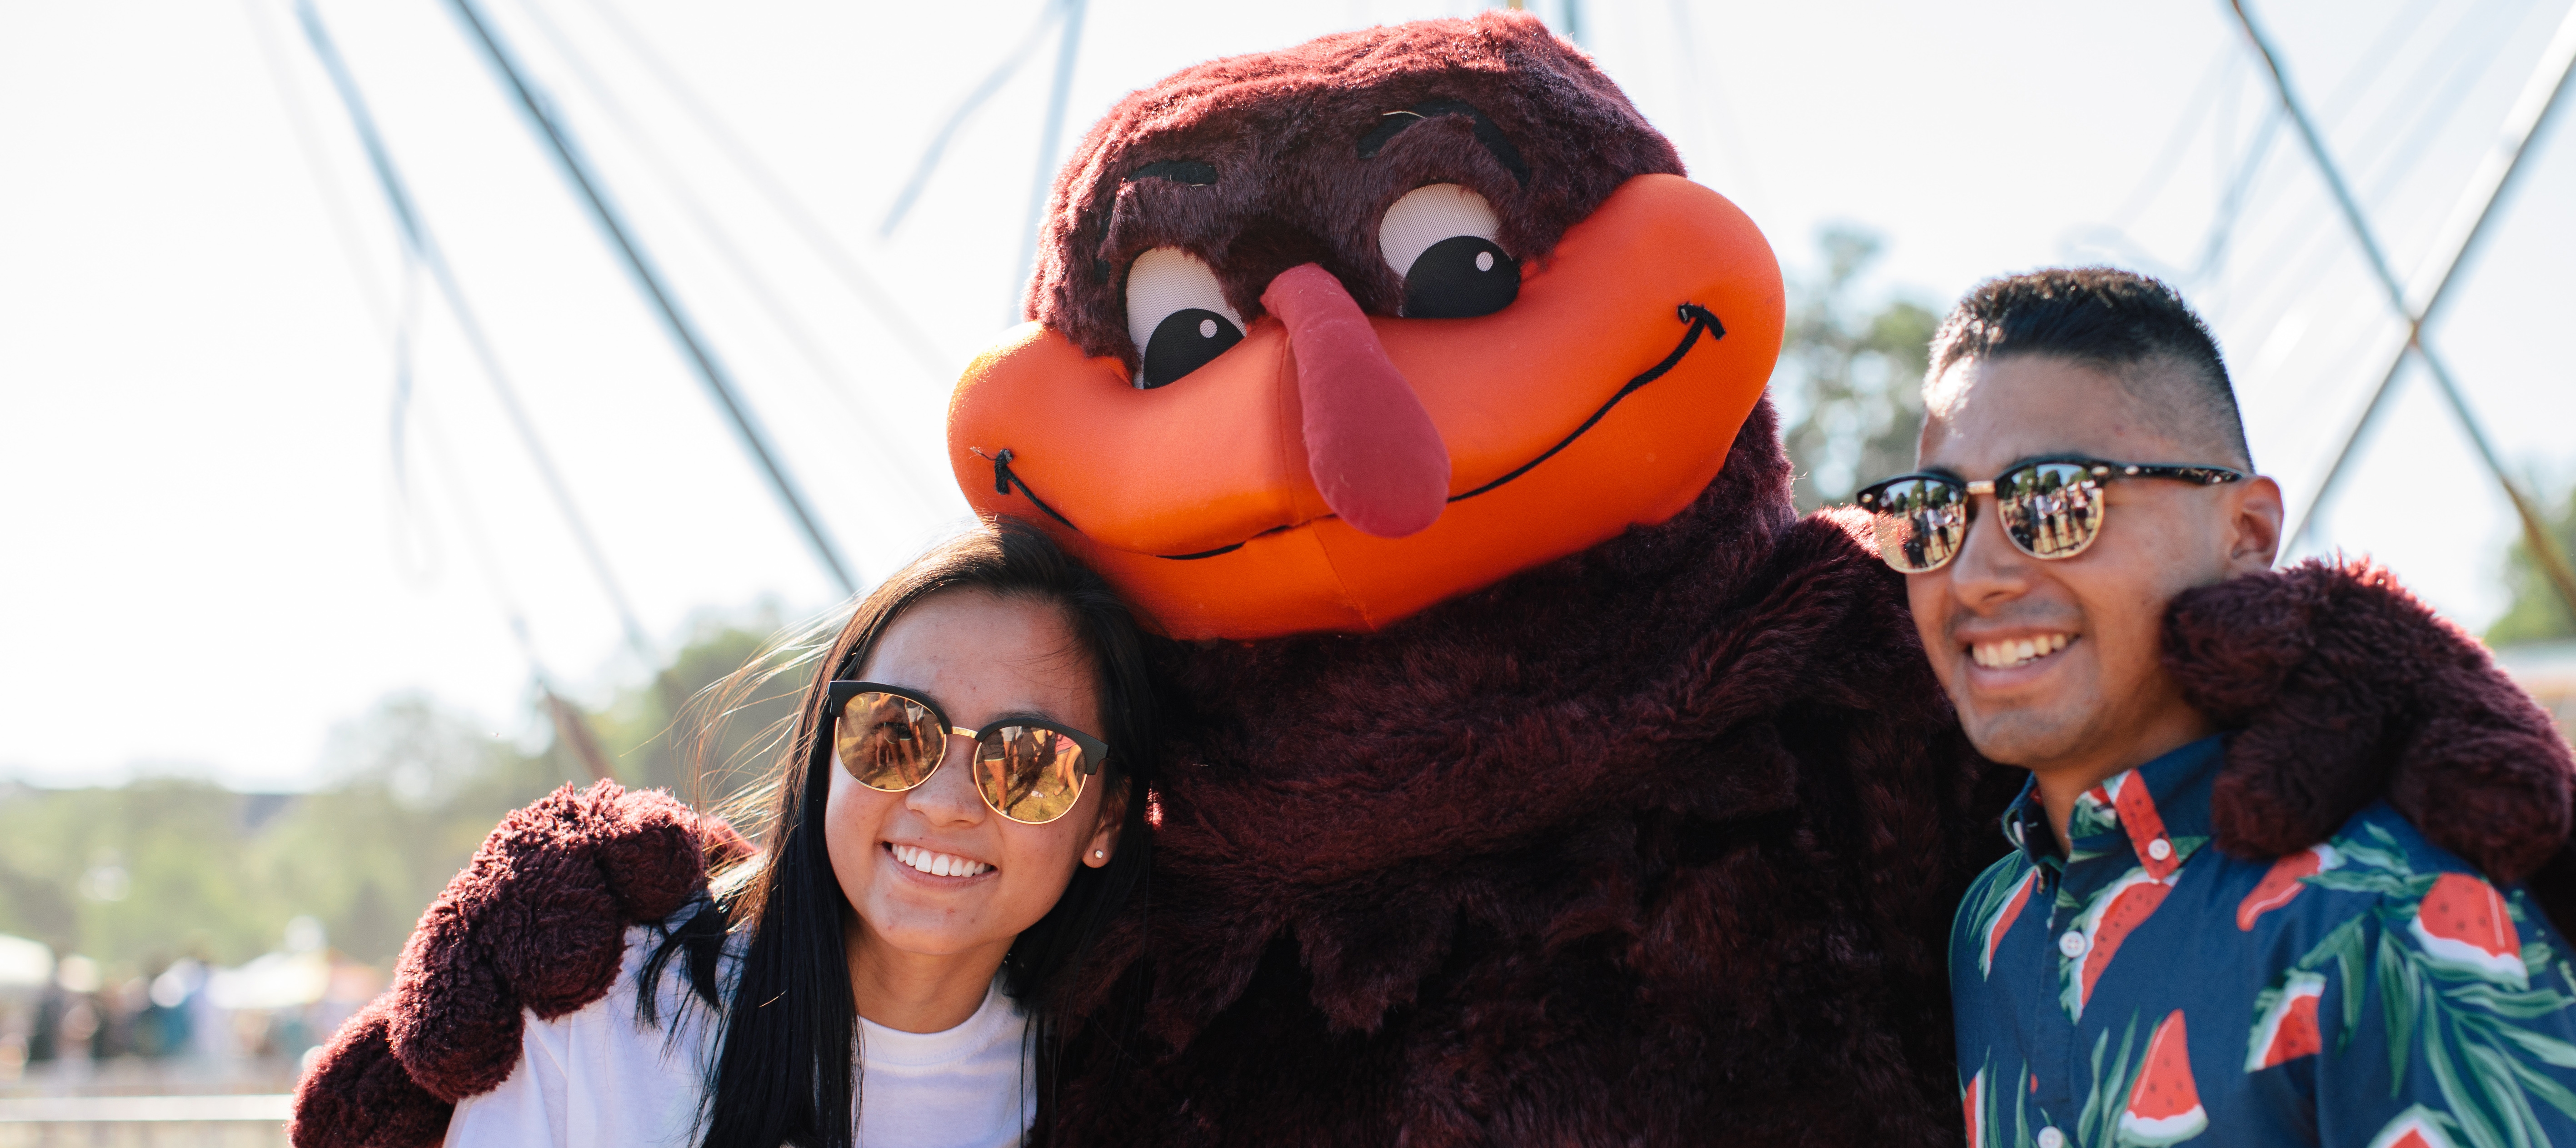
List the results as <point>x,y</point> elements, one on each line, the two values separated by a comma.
<point>2116,980</point>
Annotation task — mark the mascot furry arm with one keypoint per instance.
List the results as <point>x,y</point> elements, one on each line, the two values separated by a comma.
<point>1539,774</point>
<point>536,923</point>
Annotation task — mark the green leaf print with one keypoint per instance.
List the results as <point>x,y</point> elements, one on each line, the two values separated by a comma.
<point>2461,1023</point>
<point>1985,1089</point>
<point>2099,1121</point>
<point>2092,818</point>
<point>2001,896</point>
<point>2091,815</point>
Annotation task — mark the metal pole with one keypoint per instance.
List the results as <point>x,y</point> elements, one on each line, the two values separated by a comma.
<point>1049,134</point>
<point>423,245</point>
<point>2461,235</point>
<point>2535,530</point>
<point>649,281</point>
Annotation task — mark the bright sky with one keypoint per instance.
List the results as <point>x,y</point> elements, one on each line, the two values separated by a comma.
<point>220,533</point>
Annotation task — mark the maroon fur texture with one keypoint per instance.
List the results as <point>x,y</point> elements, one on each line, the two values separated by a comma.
<point>359,1096</point>
<point>1657,844</point>
<point>2345,687</point>
<point>1282,130</point>
<point>537,921</point>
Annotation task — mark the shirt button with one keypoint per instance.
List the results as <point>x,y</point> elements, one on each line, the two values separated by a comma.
<point>2071,944</point>
<point>2051,1138</point>
<point>2159,849</point>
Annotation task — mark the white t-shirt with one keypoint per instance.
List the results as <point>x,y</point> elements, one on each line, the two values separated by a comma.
<point>598,1076</point>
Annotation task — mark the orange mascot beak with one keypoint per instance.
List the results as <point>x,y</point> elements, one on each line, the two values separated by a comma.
<point>1339,471</point>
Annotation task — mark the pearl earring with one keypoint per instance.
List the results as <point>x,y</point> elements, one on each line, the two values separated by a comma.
<point>1099,853</point>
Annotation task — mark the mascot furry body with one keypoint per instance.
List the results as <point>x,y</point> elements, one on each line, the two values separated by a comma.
<point>1570,790</point>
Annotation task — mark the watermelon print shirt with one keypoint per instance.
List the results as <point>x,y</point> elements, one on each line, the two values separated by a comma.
<point>2147,989</point>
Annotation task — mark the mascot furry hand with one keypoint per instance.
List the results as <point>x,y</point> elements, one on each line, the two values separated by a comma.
<point>1541,776</point>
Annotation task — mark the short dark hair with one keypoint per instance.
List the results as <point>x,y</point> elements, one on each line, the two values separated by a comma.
<point>2112,320</point>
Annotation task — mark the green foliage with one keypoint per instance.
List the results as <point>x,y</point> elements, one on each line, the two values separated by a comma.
<point>2467,1027</point>
<point>1852,377</point>
<point>168,867</point>
<point>2537,613</point>
<point>161,868</point>
<point>662,736</point>
<point>2100,1119</point>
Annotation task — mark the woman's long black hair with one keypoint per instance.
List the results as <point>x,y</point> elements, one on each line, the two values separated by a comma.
<point>784,1071</point>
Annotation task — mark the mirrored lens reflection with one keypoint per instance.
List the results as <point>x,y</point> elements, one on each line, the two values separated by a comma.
<point>888,742</point>
<point>2052,509</point>
<point>1031,773</point>
<point>1920,523</point>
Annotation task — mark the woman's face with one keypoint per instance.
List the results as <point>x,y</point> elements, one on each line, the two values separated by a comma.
<point>981,657</point>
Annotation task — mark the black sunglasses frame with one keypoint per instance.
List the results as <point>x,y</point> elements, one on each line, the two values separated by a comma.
<point>2097,470</point>
<point>1095,752</point>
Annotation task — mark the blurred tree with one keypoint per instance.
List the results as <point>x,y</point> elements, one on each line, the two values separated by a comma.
<point>2537,613</point>
<point>141,873</point>
<point>662,735</point>
<point>151,867</point>
<point>1850,377</point>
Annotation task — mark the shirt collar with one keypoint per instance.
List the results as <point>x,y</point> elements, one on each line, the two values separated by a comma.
<point>2157,814</point>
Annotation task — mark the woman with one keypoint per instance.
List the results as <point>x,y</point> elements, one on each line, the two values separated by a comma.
<point>960,811</point>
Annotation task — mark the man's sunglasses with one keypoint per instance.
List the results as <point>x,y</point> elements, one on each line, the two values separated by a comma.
<point>891,739</point>
<point>2051,508</point>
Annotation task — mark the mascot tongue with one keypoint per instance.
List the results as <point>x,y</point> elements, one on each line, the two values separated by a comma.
<point>1375,453</point>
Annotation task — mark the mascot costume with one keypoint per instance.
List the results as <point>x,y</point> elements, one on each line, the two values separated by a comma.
<point>1540,775</point>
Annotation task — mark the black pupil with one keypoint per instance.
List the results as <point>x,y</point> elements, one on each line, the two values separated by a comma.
<point>1183,342</point>
<point>1461,277</point>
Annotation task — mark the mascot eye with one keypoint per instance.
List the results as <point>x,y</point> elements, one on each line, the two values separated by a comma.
<point>1441,239</point>
<point>1177,315</point>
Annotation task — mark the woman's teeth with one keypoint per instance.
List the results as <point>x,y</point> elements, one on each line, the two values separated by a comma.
<point>938,864</point>
<point>2019,651</point>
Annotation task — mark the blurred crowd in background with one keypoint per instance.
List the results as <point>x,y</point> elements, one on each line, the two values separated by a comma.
<point>173,935</point>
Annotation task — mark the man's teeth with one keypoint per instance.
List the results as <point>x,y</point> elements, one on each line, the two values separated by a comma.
<point>2007,654</point>
<point>938,864</point>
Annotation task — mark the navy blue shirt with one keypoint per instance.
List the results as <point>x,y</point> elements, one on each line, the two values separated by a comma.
<point>2146,989</point>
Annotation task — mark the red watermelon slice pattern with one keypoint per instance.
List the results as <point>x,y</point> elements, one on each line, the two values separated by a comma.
<point>1975,1103</point>
<point>2003,922</point>
<point>2414,1128</point>
<point>2282,885</point>
<point>2287,1030</point>
<point>2164,1106</point>
<point>2117,911</point>
<point>2463,923</point>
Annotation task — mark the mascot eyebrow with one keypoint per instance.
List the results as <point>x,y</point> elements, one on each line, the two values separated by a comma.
<point>1392,124</point>
<point>1193,172</point>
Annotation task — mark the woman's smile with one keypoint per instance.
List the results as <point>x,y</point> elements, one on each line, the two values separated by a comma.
<point>945,868</point>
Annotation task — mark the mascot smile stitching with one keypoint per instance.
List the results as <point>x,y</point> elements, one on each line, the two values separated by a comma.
<point>1341,362</point>
<point>1696,319</point>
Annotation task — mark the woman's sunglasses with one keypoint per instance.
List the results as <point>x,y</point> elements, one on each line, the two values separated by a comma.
<point>891,739</point>
<point>2051,508</point>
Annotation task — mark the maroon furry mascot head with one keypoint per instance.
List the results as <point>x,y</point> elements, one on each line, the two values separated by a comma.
<point>1494,102</point>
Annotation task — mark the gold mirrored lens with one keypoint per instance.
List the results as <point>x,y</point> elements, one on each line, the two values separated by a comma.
<point>1030,773</point>
<point>1920,523</point>
<point>2051,510</point>
<point>888,742</point>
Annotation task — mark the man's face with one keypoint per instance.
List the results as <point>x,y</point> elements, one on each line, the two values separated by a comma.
<point>2097,697</point>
